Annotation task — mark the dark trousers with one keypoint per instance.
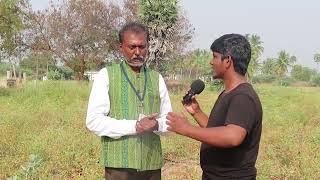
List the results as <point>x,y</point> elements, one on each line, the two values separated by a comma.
<point>131,174</point>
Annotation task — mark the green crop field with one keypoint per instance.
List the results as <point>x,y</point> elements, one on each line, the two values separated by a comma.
<point>43,134</point>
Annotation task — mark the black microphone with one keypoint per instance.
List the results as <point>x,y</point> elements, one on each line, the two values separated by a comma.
<point>196,88</point>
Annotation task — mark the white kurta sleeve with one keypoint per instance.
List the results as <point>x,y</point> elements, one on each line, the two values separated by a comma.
<point>165,106</point>
<point>97,119</point>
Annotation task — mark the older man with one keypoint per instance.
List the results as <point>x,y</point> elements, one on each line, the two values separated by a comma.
<point>127,108</point>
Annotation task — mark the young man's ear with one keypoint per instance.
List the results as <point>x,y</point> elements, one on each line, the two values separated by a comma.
<point>228,61</point>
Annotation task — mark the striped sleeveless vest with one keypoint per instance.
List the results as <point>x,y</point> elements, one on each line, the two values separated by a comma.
<point>141,152</point>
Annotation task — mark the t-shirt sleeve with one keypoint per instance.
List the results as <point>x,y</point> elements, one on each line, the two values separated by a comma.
<point>241,112</point>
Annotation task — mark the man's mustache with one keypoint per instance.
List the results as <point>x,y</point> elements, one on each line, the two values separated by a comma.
<point>138,58</point>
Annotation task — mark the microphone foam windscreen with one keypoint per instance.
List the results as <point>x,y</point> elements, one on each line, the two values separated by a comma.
<point>197,86</point>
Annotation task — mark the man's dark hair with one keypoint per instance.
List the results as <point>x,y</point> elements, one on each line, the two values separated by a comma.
<point>236,46</point>
<point>134,27</point>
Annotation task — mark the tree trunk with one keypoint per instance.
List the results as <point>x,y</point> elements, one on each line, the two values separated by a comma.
<point>37,70</point>
<point>81,64</point>
<point>47,69</point>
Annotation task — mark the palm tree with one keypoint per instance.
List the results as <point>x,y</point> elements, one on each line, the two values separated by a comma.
<point>284,60</point>
<point>197,55</point>
<point>316,58</point>
<point>268,66</point>
<point>256,51</point>
<point>200,62</point>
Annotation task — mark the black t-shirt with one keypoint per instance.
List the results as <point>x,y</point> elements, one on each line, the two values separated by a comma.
<point>241,106</point>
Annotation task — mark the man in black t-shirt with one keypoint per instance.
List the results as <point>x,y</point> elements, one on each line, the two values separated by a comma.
<point>230,136</point>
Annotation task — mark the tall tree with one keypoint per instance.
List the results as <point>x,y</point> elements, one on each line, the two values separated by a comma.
<point>316,59</point>
<point>77,32</point>
<point>38,63</point>
<point>200,62</point>
<point>268,66</point>
<point>256,52</point>
<point>13,15</point>
<point>302,73</point>
<point>284,61</point>
<point>169,30</point>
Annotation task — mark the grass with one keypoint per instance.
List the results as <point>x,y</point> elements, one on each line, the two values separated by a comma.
<point>47,120</point>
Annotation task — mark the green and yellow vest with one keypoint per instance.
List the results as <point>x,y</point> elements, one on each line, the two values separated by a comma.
<point>141,152</point>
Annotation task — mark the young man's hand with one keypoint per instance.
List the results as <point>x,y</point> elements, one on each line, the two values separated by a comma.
<point>192,107</point>
<point>178,123</point>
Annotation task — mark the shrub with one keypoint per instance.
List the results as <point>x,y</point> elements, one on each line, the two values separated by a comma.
<point>315,80</point>
<point>286,81</point>
<point>27,71</point>
<point>54,75</point>
<point>216,85</point>
<point>60,72</point>
<point>66,72</point>
<point>4,67</point>
<point>264,78</point>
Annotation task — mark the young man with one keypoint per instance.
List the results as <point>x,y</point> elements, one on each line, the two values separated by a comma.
<point>127,107</point>
<point>230,136</point>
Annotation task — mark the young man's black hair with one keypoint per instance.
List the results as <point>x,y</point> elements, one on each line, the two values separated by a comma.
<point>236,46</point>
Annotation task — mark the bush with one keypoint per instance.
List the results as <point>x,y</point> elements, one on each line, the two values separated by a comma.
<point>315,80</point>
<point>54,75</point>
<point>59,73</point>
<point>301,73</point>
<point>264,78</point>
<point>66,72</point>
<point>26,70</point>
<point>4,67</point>
<point>286,81</point>
<point>216,85</point>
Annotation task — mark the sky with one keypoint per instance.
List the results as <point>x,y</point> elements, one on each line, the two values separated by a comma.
<point>290,25</point>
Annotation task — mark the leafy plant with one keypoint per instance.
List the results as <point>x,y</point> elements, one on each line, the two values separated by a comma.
<point>54,75</point>
<point>29,168</point>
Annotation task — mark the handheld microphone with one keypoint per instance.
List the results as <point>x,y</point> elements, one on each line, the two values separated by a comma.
<point>197,87</point>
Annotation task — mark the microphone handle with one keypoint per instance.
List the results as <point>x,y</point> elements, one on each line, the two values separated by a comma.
<point>187,97</point>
